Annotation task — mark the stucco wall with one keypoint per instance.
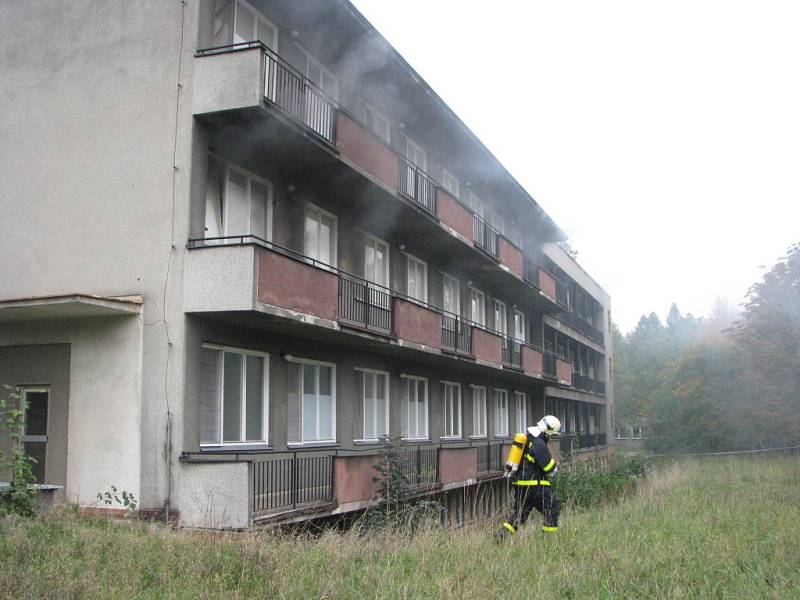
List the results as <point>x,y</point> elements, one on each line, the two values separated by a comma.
<point>215,495</point>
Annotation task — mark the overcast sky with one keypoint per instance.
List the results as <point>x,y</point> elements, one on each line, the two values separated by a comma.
<point>663,137</point>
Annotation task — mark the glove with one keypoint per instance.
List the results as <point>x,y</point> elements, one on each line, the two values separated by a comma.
<point>554,471</point>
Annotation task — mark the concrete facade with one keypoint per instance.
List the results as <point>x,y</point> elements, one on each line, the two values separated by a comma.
<point>121,127</point>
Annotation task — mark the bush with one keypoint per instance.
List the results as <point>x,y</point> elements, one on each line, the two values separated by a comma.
<point>589,484</point>
<point>20,497</point>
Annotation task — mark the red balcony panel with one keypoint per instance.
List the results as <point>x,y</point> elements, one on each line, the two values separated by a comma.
<point>294,285</point>
<point>547,283</point>
<point>564,371</point>
<point>453,214</point>
<point>511,257</point>
<point>415,323</point>
<point>360,146</point>
<point>532,361</point>
<point>487,346</point>
<point>353,478</point>
<point>457,464</point>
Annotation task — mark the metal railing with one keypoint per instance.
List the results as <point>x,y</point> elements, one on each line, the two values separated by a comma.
<point>416,184</point>
<point>456,334</point>
<point>365,304</point>
<point>512,352</point>
<point>579,323</point>
<point>420,465</point>
<point>586,383</point>
<point>298,97</point>
<point>289,482</point>
<point>484,235</point>
<point>490,457</point>
<point>573,442</point>
<point>562,293</point>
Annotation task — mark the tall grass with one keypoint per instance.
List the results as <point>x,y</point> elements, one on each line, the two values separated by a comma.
<point>720,528</point>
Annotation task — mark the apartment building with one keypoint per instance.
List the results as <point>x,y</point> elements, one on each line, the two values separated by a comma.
<point>243,241</point>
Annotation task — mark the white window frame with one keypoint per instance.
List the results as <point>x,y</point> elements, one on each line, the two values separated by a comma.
<point>473,294</point>
<point>500,316</point>
<point>414,152</point>
<point>519,325</point>
<point>375,241</point>
<point>387,387</point>
<point>479,417</point>
<point>499,412</point>
<point>243,400</point>
<point>452,431</point>
<point>370,117</point>
<point>311,61</point>
<point>334,234</point>
<point>520,411</point>
<point>258,15</point>
<point>37,389</point>
<point>318,363</point>
<point>227,168</point>
<point>411,261</point>
<point>407,379</point>
<point>457,283</point>
<point>450,182</point>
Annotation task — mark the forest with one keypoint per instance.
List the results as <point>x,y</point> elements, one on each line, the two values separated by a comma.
<point>727,381</point>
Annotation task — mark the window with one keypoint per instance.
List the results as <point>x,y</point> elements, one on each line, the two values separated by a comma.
<point>417,279</point>
<point>372,393</point>
<point>520,412</point>
<point>415,411</point>
<point>474,202</point>
<point>34,435</point>
<point>451,399</point>
<point>519,326</point>
<point>237,203</point>
<point>451,295</point>
<point>500,322</point>
<point>321,77</point>
<point>233,399</point>
<point>416,154</point>
<point>376,261</point>
<point>636,432</point>
<point>312,401</point>
<point>373,120</point>
<point>477,307</point>
<point>478,411</point>
<point>500,413</point>
<point>236,21</point>
<point>449,182</point>
<point>320,235</point>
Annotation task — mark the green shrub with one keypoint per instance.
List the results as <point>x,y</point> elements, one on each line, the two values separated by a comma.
<point>590,483</point>
<point>20,497</point>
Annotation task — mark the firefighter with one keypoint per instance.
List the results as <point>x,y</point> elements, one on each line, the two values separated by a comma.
<point>530,477</point>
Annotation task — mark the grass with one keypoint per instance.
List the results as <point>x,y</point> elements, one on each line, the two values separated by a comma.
<point>717,528</point>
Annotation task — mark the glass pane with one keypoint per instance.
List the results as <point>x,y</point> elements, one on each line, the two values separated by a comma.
<point>311,234</point>
<point>325,417</point>
<point>369,405</point>
<point>369,261</point>
<point>223,22</point>
<point>380,264</point>
<point>266,34</point>
<point>309,417</point>
<point>326,240</point>
<point>294,412</point>
<point>37,451</point>
<point>232,400</point>
<point>380,406</point>
<point>325,374</point>
<point>237,209</point>
<point>210,396</point>
<point>213,206</point>
<point>245,24</point>
<point>456,410</point>
<point>255,398</point>
<point>422,412</point>
<point>258,210</point>
<point>36,413</point>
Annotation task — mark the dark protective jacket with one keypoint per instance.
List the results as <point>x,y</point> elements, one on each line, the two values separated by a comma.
<point>537,462</point>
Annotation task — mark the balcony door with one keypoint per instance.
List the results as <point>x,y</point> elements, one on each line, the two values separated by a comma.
<point>376,273</point>
<point>237,204</point>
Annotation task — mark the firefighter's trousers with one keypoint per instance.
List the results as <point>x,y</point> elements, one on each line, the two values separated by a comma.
<point>526,498</point>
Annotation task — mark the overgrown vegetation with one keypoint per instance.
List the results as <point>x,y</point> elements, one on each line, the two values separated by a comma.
<point>20,497</point>
<point>690,531</point>
<point>727,382</point>
<point>589,484</point>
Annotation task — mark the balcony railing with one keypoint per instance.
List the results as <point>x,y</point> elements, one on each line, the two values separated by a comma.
<point>419,464</point>
<point>549,363</point>
<point>416,184</point>
<point>562,293</point>
<point>456,334</point>
<point>364,304</point>
<point>484,236</point>
<point>512,352</point>
<point>490,457</point>
<point>289,482</point>
<point>584,382</point>
<point>573,442</point>
<point>579,323</point>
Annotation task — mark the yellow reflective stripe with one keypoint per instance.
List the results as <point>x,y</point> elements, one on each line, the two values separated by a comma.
<point>549,529</point>
<point>550,465</point>
<point>531,482</point>
<point>510,527</point>
<point>530,458</point>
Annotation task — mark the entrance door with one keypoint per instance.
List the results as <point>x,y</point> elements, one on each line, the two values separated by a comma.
<point>34,439</point>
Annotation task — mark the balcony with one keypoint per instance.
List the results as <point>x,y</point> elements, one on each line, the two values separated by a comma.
<point>582,325</point>
<point>557,367</point>
<point>588,384</point>
<point>365,305</point>
<point>456,335</point>
<point>286,485</point>
<point>512,353</point>
<point>576,442</point>
<point>246,88</point>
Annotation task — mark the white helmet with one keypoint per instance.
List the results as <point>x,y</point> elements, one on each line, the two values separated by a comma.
<point>549,425</point>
